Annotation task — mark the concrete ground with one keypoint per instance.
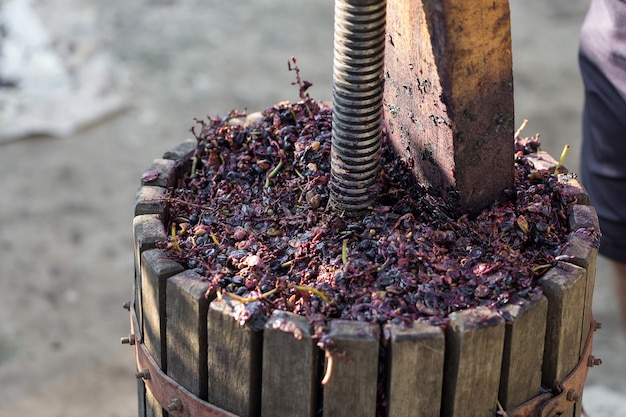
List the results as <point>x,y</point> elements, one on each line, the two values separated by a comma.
<point>66,203</point>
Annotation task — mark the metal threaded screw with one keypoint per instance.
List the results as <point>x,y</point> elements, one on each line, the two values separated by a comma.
<point>593,361</point>
<point>357,102</point>
<point>128,340</point>
<point>145,374</point>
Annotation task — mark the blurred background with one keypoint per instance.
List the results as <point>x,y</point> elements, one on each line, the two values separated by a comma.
<point>91,92</point>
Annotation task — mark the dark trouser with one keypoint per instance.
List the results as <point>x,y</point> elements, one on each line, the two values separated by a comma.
<point>603,157</point>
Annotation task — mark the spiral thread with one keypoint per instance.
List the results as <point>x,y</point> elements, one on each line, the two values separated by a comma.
<point>359,43</point>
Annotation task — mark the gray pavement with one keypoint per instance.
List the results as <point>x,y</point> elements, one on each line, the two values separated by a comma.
<point>66,204</point>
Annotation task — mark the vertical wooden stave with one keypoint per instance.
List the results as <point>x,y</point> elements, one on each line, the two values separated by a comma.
<point>186,336</point>
<point>351,390</point>
<point>582,250</point>
<point>573,190</point>
<point>160,173</point>
<point>181,151</point>
<point>564,285</point>
<point>473,358</point>
<point>149,200</point>
<point>234,358</point>
<point>147,231</point>
<point>524,341</point>
<point>155,270</point>
<point>290,377</point>
<point>415,365</point>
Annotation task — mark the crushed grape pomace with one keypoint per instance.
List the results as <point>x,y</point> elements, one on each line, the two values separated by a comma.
<point>248,213</point>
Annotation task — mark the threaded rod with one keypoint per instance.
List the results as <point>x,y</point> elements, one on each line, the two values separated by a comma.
<point>357,102</point>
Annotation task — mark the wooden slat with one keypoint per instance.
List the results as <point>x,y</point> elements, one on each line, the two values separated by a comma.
<point>448,97</point>
<point>291,357</point>
<point>155,270</point>
<point>186,331</point>
<point>572,188</point>
<point>234,361</point>
<point>147,231</point>
<point>564,285</point>
<point>180,151</point>
<point>149,200</point>
<point>153,408</point>
<point>582,250</point>
<point>160,173</point>
<point>520,379</point>
<point>415,364</point>
<point>474,347</point>
<point>351,390</point>
<point>583,217</point>
<point>570,185</point>
<point>141,397</point>
<point>543,160</point>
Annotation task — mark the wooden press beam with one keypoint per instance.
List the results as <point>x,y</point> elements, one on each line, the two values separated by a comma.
<point>448,94</point>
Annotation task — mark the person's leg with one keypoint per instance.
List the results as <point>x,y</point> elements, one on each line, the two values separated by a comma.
<point>620,286</point>
<point>603,171</point>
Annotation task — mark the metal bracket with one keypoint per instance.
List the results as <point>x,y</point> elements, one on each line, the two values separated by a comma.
<point>568,392</point>
<point>173,397</point>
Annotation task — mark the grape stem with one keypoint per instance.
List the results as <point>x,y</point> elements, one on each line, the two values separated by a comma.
<point>273,173</point>
<point>561,159</point>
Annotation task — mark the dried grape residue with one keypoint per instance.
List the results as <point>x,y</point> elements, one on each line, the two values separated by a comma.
<point>248,214</point>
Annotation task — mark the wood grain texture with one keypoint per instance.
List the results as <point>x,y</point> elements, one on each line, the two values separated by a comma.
<point>291,382</point>
<point>542,160</point>
<point>153,408</point>
<point>572,188</point>
<point>149,200</point>
<point>160,173</point>
<point>186,331</point>
<point>564,285</point>
<point>234,360</point>
<point>147,231</point>
<point>155,270</point>
<point>583,217</point>
<point>582,250</point>
<point>351,390</point>
<point>141,397</point>
<point>473,358</point>
<point>448,97</point>
<point>415,365</point>
<point>182,150</point>
<point>525,333</point>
